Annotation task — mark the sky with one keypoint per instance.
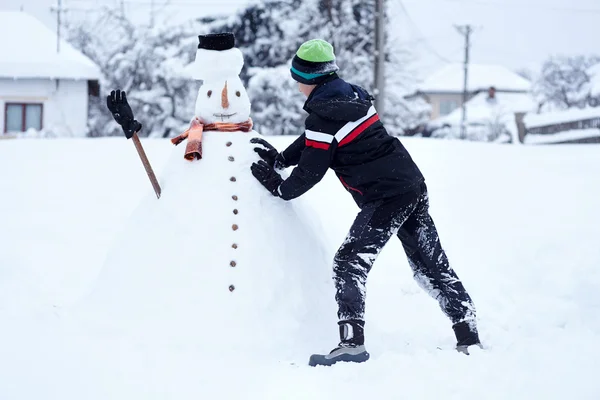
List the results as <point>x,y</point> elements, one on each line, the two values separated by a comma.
<point>514,33</point>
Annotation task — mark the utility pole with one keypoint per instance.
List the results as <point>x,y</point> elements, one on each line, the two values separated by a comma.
<point>58,9</point>
<point>466,31</point>
<point>151,13</point>
<point>379,81</point>
<point>122,6</point>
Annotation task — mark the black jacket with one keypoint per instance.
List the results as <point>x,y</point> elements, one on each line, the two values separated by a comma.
<point>343,132</point>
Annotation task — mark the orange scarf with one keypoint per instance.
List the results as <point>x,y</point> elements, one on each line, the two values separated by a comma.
<point>193,150</point>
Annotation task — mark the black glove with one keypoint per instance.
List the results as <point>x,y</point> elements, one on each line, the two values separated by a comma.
<point>269,153</point>
<point>267,176</point>
<point>118,106</point>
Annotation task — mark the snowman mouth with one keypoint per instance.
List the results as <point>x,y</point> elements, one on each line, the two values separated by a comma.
<point>224,116</point>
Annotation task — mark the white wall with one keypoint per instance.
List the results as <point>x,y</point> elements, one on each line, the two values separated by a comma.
<point>65,102</point>
<point>436,99</point>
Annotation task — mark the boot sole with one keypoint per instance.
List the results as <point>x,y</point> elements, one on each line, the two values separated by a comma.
<point>464,349</point>
<point>327,361</point>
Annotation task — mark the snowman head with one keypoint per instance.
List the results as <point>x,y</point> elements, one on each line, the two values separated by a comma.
<point>223,100</point>
<point>222,96</point>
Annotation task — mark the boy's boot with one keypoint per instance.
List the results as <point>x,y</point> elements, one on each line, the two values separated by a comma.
<point>466,335</point>
<point>350,349</point>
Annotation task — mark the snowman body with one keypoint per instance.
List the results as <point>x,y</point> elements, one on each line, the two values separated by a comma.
<point>219,262</point>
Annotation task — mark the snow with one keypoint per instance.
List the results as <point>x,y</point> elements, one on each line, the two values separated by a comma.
<point>479,108</point>
<point>595,80</point>
<point>222,96</point>
<point>209,102</point>
<point>562,137</point>
<point>185,240</point>
<point>32,51</point>
<point>558,117</point>
<point>488,119</point>
<point>526,252</point>
<point>481,76</point>
<point>213,64</point>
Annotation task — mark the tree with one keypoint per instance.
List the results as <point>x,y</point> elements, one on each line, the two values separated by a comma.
<point>276,101</point>
<point>269,33</point>
<point>147,63</point>
<point>349,24</point>
<point>150,64</point>
<point>564,82</point>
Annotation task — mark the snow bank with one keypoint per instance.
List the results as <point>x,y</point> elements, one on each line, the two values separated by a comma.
<point>558,117</point>
<point>29,51</point>
<point>562,137</point>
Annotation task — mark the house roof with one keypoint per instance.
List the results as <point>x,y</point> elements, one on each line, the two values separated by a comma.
<point>481,76</point>
<point>479,109</point>
<point>28,50</point>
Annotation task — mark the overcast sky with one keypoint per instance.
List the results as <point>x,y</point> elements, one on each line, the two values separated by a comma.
<point>515,33</point>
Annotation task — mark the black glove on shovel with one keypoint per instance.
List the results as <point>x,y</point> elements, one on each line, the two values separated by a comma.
<point>121,112</point>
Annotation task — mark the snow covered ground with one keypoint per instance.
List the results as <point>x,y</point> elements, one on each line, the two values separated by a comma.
<point>520,225</point>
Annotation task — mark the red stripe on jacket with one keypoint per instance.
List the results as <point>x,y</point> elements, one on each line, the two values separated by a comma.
<point>358,130</point>
<point>350,187</point>
<point>317,145</point>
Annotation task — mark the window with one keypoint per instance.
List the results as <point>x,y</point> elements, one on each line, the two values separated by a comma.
<point>447,106</point>
<point>94,88</point>
<point>20,117</point>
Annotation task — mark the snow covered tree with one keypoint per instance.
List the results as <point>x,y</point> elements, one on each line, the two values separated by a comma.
<point>147,63</point>
<point>272,114</point>
<point>402,115</point>
<point>269,33</point>
<point>150,63</point>
<point>564,82</point>
<point>262,32</point>
<point>349,26</point>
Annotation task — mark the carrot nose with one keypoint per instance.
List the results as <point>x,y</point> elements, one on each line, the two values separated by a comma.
<point>224,99</point>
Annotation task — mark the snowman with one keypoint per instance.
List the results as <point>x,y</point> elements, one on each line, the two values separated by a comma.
<point>218,265</point>
<point>222,103</point>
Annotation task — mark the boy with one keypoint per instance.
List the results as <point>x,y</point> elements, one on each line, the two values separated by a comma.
<point>343,132</point>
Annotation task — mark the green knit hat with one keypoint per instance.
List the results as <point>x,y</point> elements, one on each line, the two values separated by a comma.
<point>314,62</point>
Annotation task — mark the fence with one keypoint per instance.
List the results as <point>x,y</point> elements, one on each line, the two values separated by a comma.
<point>564,126</point>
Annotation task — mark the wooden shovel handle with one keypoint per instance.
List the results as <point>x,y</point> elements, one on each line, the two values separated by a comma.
<point>147,166</point>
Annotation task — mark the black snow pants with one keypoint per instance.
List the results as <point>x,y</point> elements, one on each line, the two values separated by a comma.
<point>406,216</point>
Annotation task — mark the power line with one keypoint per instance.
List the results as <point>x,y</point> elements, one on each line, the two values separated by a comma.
<point>421,35</point>
<point>166,3</point>
<point>524,5</point>
<point>521,5</point>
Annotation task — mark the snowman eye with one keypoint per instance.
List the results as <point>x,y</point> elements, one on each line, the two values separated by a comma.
<point>238,94</point>
<point>209,93</point>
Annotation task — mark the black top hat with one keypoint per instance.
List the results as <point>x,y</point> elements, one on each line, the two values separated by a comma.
<point>217,41</point>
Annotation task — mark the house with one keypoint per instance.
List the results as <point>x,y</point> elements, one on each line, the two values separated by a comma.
<point>594,74</point>
<point>42,88</point>
<point>493,113</point>
<point>444,89</point>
